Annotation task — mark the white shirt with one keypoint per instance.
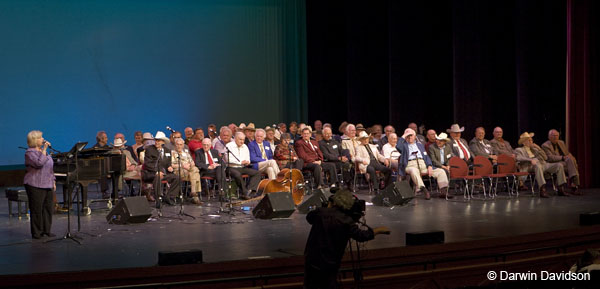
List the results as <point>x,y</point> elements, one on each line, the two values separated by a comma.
<point>390,152</point>
<point>242,153</point>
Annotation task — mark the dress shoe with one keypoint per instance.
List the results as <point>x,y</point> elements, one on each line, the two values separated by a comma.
<point>37,237</point>
<point>543,193</point>
<point>523,188</point>
<point>169,201</point>
<point>49,235</point>
<point>59,210</point>
<point>426,193</point>
<point>245,196</point>
<point>195,200</point>
<point>561,191</point>
<point>445,194</point>
<point>575,191</point>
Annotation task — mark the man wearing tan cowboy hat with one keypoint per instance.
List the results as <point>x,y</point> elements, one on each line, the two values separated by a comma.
<point>370,160</point>
<point>440,152</point>
<point>249,131</point>
<point>481,146</point>
<point>157,167</point>
<point>460,147</point>
<point>532,158</point>
<point>132,169</point>
<point>415,161</point>
<point>557,152</point>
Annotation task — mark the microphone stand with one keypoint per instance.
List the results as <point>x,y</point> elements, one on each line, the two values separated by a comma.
<point>68,234</point>
<point>181,212</point>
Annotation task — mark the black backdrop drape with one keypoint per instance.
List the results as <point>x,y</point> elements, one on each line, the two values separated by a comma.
<point>476,63</point>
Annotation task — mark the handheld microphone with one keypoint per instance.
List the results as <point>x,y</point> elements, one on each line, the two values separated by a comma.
<point>45,142</point>
<point>170,129</point>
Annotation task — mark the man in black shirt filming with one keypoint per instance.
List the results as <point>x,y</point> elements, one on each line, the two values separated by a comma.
<point>332,227</point>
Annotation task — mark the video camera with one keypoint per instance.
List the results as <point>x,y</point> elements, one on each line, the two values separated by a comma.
<point>357,210</point>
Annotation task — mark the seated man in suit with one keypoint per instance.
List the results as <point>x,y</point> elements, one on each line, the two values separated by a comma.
<point>349,141</point>
<point>209,161</point>
<point>390,151</point>
<point>532,158</point>
<point>481,146</point>
<point>188,170</point>
<point>308,150</point>
<point>370,160</point>
<point>239,164</point>
<point>285,154</point>
<point>102,142</point>
<point>500,145</point>
<point>414,161</point>
<point>334,154</point>
<point>557,152</point>
<point>261,155</point>
<point>440,153</point>
<point>157,167</point>
<point>459,145</point>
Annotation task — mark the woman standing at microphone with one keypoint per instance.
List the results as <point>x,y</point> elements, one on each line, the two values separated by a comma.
<point>39,183</point>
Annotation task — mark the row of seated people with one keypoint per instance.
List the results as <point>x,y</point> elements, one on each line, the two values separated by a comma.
<point>256,151</point>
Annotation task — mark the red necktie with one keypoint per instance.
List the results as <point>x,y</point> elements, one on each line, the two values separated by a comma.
<point>210,161</point>
<point>463,149</point>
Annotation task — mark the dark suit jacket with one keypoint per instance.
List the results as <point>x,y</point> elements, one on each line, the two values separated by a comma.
<point>256,154</point>
<point>434,154</point>
<point>331,150</point>
<point>154,162</point>
<point>306,153</point>
<point>456,148</point>
<point>201,158</point>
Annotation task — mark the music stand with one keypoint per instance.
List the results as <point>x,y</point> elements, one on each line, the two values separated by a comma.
<point>69,155</point>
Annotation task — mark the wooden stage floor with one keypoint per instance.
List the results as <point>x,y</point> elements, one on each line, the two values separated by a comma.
<point>240,236</point>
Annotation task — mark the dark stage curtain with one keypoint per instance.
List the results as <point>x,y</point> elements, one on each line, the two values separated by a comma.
<point>583,76</point>
<point>476,63</point>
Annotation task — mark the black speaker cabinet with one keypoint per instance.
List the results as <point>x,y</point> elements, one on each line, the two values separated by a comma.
<point>168,258</point>
<point>275,205</point>
<point>398,193</point>
<point>424,238</point>
<point>589,218</point>
<point>130,210</point>
<point>314,200</point>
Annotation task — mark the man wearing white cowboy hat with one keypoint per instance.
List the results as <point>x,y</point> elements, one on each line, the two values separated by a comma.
<point>532,158</point>
<point>440,152</point>
<point>370,160</point>
<point>460,147</point>
<point>157,167</point>
<point>185,167</point>
<point>414,161</point>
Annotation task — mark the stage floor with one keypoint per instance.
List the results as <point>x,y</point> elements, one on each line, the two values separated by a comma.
<point>240,236</point>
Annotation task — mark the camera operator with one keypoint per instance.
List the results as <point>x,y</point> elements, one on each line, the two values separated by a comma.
<point>332,228</point>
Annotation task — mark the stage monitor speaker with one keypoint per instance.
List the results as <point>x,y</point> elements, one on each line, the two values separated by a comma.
<point>589,218</point>
<point>168,258</point>
<point>130,210</point>
<point>314,200</point>
<point>398,193</point>
<point>424,238</point>
<point>275,205</point>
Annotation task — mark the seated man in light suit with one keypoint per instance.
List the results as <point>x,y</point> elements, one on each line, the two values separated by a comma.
<point>481,146</point>
<point>349,141</point>
<point>557,152</point>
<point>532,158</point>
<point>261,155</point>
<point>459,145</point>
<point>440,153</point>
<point>414,161</point>
<point>185,168</point>
<point>239,164</point>
<point>370,160</point>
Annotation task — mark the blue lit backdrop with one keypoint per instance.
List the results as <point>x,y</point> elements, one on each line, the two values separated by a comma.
<point>72,68</point>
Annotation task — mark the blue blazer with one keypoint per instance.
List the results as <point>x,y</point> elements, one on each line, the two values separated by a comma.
<point>402,147</point>
<point>256,154</point>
